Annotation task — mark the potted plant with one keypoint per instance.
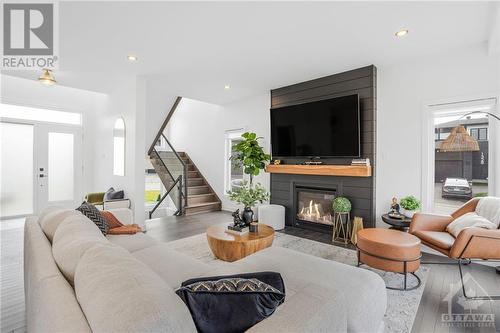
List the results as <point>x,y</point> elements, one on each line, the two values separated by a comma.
<point>341,205</point>
<point>249,155</point>
<point>249,196</point>
<point>410,204</point>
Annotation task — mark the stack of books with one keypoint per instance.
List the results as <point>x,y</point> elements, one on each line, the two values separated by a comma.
<point>237,231</point>
<point>361,161</point>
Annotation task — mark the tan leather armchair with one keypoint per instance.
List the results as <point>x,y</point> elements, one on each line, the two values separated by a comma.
<point>472,243</point>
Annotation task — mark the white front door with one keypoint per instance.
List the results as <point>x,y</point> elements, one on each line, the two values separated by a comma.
<point>58,167</point>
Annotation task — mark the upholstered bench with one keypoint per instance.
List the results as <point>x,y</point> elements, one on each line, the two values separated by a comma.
<point>391,251</point>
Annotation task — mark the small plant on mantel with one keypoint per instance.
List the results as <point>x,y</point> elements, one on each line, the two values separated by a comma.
<point>250,156</point>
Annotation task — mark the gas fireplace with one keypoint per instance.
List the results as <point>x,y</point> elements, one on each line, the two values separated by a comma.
<point>313,206</point>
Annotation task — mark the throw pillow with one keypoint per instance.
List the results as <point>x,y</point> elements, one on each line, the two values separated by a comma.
<point>94,215</point>
<point>130,229</point>
<point>468,220</point>
<point>111,220</point>
<point>112,194</point>
<point>233,303</point>
<point>489,208</point>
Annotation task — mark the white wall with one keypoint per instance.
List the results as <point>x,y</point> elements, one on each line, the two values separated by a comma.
<point>127,100</point>
<point>403,91</point>
<point>199,128</point>
<point>20,91</point>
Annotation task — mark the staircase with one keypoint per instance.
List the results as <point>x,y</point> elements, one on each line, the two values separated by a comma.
<point>184,183</point>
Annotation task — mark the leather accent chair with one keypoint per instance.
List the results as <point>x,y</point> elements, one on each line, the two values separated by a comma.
<point>471,243</point>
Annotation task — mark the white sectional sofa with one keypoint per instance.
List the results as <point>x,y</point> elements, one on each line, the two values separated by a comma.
<point>77,280</point>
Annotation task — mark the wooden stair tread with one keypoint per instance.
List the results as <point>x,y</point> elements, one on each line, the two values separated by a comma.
<point>199,195</point>
<point>203,204</point>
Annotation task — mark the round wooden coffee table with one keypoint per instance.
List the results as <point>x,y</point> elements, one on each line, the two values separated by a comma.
<point>229,247</point>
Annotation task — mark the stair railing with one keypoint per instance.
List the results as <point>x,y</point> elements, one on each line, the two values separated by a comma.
<point>176,182</point>
<point>184,170</point>
<point>179,181</point>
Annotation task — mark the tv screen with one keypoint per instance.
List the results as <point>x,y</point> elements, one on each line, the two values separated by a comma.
<point>327,128</point>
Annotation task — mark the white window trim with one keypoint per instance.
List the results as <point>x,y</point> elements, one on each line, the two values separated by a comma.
<point>489,101</point>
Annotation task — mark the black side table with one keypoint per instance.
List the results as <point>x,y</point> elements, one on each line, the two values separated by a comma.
<point>397,224</point>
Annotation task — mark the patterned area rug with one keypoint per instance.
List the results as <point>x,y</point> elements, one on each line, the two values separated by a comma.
<point>402,306</point>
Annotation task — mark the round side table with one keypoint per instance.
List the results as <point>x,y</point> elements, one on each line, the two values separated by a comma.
<point>397,224</point>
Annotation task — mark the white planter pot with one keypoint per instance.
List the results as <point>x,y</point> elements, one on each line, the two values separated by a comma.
<point>409,213</point>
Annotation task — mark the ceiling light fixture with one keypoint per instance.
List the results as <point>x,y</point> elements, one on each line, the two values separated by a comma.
<point>401,33</point>
<point>131,57</point>
<point>47,78</point>
<point>227,87</point>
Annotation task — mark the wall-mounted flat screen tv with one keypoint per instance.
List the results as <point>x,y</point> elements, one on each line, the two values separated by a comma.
<point>326,128</point>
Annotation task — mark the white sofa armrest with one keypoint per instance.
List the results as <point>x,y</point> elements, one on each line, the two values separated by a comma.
<point>124,215</point>
<point>120,203</point>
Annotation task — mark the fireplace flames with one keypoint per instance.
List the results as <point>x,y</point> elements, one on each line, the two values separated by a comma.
<point>314,213</point>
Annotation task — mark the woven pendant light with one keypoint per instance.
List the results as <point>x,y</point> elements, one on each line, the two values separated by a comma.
<point>459,140</point>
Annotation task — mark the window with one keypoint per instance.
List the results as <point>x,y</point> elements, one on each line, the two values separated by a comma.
<point>27,113</point>
<point>119,147</point>
<point>480,134</point>
<point>233,172</point>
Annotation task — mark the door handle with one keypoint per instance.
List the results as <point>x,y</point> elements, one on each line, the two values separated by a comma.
<point>43,176</point>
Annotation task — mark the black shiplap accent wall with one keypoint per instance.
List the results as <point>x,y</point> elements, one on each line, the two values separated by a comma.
<point>361,191</point>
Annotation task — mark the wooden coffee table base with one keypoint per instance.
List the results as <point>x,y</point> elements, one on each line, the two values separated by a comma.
<point>229,247</point>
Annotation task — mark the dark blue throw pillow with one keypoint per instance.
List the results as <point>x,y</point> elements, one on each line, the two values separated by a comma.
<point>234,303</point>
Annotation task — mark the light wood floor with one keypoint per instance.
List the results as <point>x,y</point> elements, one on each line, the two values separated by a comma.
<point>428,319</point>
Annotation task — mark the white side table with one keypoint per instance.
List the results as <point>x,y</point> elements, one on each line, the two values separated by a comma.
<point>273,216</point>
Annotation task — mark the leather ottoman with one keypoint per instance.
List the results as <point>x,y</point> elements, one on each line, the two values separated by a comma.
<point>391,251</point>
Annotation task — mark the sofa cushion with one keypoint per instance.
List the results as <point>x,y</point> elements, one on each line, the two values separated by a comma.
<point>51,304</point>
<point>311,309</point>
<point>132,243</point>
<point>440,239</point>
<point>73,237</point>
<point>160,258</point>
<point>118,293</point>
<point>489,208</point>
<point>364,291</point>
<point>52,217</point>
<point>469,220</point>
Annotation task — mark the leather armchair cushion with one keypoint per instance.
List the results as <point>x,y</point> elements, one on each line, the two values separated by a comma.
<point>440,239</point>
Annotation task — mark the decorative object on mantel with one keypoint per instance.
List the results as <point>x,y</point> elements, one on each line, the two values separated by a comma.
<point>250,155</point>
<point>277,162</point>
<point>410,204</point>
<point>357,225</point>
<point>361,161</point>
<point>341,220</point>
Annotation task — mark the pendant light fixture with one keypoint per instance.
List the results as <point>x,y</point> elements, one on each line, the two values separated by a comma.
<point>47,78</point>
<point>460,140</point>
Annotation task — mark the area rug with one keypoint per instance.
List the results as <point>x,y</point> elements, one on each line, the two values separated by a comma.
<point>402,306</point>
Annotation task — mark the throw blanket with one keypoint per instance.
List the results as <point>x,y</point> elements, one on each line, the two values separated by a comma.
<point>118,228</point>
<point>489,208</point>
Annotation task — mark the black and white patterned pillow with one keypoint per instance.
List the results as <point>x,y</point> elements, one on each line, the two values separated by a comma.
<point>228,304</point>
<point>94,215</point>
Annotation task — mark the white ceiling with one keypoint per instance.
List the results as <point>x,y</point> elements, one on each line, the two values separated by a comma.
<point>195,48</point>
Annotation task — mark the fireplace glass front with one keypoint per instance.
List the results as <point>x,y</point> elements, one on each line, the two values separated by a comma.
<point>314,205</point>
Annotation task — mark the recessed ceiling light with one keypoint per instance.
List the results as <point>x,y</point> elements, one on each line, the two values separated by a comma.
<point>47,78</point>
<point>131,57</point>
<point>401,33</point>
<point>227,87</point>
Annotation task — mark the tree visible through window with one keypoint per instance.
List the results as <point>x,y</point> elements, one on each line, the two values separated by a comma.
<point>234,173</point>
